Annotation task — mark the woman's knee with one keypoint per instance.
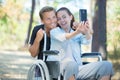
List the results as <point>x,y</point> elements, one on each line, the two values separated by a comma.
<point>107,65</point>
<point>72,66</point>
<point>106,69</point>
<point>71,69</point>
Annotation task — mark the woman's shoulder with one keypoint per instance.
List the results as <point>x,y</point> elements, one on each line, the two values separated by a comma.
<point>56,29</point>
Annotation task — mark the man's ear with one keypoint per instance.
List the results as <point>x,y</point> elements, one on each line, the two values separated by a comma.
<point>42,21</point>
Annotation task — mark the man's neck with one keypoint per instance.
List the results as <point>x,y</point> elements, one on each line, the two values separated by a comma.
<point>47,30</point>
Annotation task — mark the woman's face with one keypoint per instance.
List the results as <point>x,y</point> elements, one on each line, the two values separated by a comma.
<point>64,19</point>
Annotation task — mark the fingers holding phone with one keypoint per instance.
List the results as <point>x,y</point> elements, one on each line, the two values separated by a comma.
<point>83,25</point>
<point>83,17</point>
<point>79,27</point>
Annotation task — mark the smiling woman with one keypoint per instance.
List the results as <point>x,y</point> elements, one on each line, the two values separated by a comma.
<point>67,41</point>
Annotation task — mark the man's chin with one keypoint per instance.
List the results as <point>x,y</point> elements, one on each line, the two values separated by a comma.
<point>53,26</point>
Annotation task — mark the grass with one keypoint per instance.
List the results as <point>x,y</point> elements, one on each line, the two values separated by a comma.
<point>114,57</point>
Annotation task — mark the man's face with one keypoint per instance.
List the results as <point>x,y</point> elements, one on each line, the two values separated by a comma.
<point>49,19</point>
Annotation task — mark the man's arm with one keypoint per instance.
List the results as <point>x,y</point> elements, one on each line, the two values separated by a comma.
<point>34,48</point>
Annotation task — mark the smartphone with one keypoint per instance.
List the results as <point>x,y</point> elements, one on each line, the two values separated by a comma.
<point>83,14</point>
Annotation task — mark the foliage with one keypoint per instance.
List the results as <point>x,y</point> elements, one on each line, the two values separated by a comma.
<point>13,22</point>
<point>113,28</point>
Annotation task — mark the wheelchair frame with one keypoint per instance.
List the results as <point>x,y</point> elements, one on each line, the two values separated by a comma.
<point>45,74</point>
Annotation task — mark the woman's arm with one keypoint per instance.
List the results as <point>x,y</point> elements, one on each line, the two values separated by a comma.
<point>60,35</point>
<point>83,28</point>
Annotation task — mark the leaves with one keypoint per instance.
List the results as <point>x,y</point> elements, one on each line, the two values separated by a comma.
<point>13,21</point>
<point>113,28</point>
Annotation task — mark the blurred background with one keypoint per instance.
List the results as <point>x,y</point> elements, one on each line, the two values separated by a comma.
<point>18,18</point>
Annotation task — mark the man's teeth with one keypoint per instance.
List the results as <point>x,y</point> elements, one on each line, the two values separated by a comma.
<point>52,24</point>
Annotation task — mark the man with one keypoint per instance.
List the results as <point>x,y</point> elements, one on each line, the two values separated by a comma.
<point>49,20</point>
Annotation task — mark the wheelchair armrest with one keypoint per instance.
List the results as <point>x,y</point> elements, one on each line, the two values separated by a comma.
<point>92,54</point>
<point>50,52</point>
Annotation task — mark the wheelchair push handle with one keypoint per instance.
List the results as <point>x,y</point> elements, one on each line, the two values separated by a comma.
<point>50,52</point>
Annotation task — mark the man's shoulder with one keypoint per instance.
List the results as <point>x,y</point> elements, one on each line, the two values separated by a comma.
<point>37,27</point>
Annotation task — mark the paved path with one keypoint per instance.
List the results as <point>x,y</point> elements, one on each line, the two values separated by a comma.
<point>14,65</point>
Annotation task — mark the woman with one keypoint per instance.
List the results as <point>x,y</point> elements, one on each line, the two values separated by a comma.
<point>67,41</point>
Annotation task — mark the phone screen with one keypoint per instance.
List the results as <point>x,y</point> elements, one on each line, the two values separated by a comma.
<point>83,14</point>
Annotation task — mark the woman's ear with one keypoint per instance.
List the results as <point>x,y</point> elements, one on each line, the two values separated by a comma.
<point>71,17</point>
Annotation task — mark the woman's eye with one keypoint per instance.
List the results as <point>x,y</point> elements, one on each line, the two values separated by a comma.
<point>63,16</point>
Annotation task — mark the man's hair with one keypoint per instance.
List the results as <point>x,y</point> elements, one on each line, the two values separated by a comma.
<point>45,9</point>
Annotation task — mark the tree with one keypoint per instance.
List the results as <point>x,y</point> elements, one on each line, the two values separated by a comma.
<point>30,23</point>
<point>99,27</point>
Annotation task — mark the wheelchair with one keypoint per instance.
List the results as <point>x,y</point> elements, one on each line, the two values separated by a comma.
<point>50,70</point>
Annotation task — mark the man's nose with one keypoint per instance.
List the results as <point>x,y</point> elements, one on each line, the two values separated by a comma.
<point>52,20</point>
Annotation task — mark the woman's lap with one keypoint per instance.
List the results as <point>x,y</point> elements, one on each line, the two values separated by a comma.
<point>95,69</point>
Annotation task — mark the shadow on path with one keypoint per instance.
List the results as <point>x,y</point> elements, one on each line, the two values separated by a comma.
<point>14,65</point>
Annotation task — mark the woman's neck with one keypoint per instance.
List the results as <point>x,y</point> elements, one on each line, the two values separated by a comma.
<point>67,29</point>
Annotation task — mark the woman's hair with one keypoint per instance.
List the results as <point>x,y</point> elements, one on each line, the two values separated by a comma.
<point>45,9</point>
<point>69,13</point>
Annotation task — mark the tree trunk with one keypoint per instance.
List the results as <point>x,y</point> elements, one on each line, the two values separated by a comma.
<point>30,23</point>
<point>99,27</point>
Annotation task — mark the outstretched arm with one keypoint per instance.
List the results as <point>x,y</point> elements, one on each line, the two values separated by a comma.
<point>79,29</point>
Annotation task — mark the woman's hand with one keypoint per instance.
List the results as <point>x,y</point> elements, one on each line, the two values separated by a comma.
<point>82,27</point>
<point>75,25</point>
<point>79,27</point>
<point>88,29</point>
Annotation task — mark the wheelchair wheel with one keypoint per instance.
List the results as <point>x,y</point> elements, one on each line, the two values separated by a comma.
<point>41,68</point>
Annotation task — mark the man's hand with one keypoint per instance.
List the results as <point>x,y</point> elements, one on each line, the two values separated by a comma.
<point>39,35</point>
